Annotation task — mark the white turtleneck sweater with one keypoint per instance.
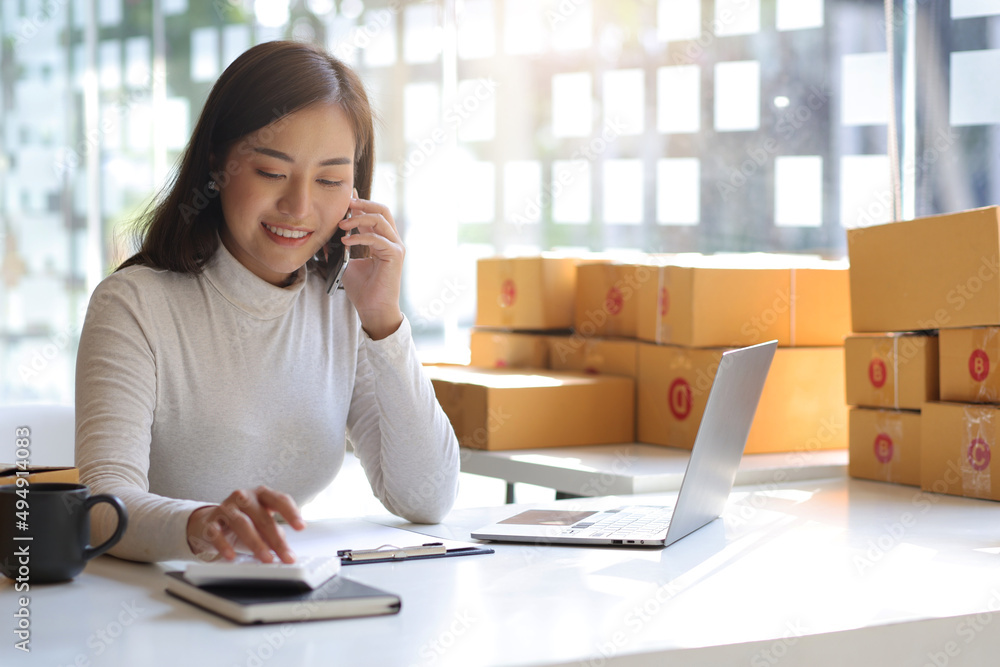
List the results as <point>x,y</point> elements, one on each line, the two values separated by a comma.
<point>189,387</point>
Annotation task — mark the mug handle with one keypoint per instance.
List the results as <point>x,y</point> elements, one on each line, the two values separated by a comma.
<point>93,552</point>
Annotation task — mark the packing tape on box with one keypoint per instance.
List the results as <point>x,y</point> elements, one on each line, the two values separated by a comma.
<point>507,295</point>
<point>895,372</point>
<point>792,298</point>
<point>985,392</point>
<point>888,439</point>
<point>974,462</point>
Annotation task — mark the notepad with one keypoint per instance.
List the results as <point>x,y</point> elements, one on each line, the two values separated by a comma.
<point>340,597</point>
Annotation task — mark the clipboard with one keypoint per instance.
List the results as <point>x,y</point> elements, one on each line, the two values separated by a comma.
<point>392,554</point>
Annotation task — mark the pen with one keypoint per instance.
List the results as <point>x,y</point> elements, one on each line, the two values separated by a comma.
<point>390,551</point>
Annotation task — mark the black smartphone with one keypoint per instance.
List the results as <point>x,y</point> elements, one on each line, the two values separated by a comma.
<point>339,257</point>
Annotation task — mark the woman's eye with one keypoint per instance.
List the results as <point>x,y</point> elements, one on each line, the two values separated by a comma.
<point>329,183</point>
<point>267,174</point>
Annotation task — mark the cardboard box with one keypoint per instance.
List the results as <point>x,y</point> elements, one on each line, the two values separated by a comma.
<point>8,474</point>
<point>606,298</point>
<point>929,273</point>
<point>732,302</point>
<point>533,293</point>
<point>505,409</point>
<point>897,370</point>
<point>507,349</point>
<point>885,445</point>
<point>956,451</point>
<point>969,359</point>
<point>602,356</point>
<point>801,409</point>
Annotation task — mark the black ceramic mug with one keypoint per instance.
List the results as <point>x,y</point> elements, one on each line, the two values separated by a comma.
<point>45,530</point>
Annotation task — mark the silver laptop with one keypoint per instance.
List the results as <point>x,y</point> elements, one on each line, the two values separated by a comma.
<point>711,470</point>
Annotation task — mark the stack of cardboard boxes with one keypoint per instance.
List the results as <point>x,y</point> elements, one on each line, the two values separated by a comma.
<point>493,404</point>
<point>646,338</point>
<point>684,311</point>
<point>930,275</point>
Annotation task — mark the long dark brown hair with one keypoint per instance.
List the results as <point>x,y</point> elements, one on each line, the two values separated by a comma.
<point>179,231</point>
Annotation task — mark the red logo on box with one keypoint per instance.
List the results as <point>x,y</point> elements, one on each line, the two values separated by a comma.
<point>876,373</point>
<point>680,398</point>
<point>883,448</point>
<point>979,365</point>
<point>614,301</point>
<point>508,293</point>
<point>664,301</point>
<point>979,454</point>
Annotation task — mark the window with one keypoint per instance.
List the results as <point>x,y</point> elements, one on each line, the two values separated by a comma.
<point>507,126</point>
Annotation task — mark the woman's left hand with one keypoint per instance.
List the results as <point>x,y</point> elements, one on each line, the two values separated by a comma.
<point>373,283</point>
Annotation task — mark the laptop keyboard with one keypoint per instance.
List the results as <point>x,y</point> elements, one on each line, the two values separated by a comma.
<point>634,522</point>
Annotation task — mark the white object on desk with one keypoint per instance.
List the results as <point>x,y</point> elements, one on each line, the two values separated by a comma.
<point>601,470</point>
<point>307,571</point>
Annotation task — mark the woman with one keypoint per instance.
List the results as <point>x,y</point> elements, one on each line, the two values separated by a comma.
<point>216,378</point>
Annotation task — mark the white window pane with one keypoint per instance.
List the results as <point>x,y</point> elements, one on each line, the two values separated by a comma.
<point>571,191</point>
<point>522,194</point>
<point>737,17</point>
<point>798,191</point>
<point>235,40</point>
<point>475,29</point>
<point>623,197</point>
<point>624,99</point>
<point>975,76</point>
<point>473,112</point>
<point>343,38</point>
<point>421,111</point>
<point>271,13</point>
<point>384,185</point>
<point>865,89</point>
<point>170,7</point>
<point>140,125</point>
<point>961,9</point>
<point>138,61</point>
<point>204,54</point>
<point>799,14</point>
<point>678,105</point>
<point>109,12</point>
<point>678,19</point>
<point>173,122</point>
<point>737,96</point>
<point>865,190</point>
<point>678,191</point>
<point>475,192</point>
<point>572,115</point>
<point>422,41</point>
<point>109,56</point>
<point>377,38</point>
<point>570,24</point>
<point>523,27</point>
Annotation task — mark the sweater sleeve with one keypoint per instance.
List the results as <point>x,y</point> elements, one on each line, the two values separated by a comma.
<point>404,440</point>
<point>115,399</point>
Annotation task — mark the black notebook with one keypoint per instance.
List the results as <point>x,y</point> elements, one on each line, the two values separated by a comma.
<point>337,598</point>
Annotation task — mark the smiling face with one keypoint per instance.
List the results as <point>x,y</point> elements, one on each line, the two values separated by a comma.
<point>284,189</point>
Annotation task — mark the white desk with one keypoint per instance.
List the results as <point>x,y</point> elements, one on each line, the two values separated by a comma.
<point>600,470</point>
<point>886,569</point>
